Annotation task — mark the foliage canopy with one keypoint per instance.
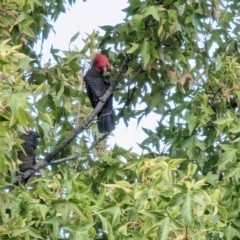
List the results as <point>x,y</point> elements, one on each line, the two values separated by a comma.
<point>182,64</point>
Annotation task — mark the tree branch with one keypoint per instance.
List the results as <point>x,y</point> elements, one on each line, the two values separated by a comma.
<point>97,141</point>
<point>61,160</point>
<point>28,173</point>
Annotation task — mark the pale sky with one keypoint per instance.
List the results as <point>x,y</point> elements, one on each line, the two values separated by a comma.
<point>84,17</point>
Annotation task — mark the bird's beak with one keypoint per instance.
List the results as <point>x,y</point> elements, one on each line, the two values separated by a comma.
<point>38,139</point>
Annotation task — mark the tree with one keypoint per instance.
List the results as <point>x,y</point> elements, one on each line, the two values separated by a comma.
<point>179,58</point>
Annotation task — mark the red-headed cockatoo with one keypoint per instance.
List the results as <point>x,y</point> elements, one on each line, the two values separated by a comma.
<point>97,81</point>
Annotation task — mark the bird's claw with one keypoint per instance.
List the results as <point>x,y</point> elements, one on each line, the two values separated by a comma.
<point>101,99</point>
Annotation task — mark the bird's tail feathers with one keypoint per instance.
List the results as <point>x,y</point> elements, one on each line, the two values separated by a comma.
<point>106,120</point>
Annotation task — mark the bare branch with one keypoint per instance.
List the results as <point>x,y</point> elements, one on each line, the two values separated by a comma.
<point>61,160</point>
<point>97,141</point>
<point>28,173</point>
<point>44,163</point>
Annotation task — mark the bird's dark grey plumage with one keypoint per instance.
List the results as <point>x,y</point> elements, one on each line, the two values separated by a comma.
<point>96,86</point>
<point>31,140</point>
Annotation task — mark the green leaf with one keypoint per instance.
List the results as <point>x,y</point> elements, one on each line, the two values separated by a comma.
<point>188,19</point>
<point>28,31</point>
<point>74,37</point>
<point>3,130</point>
<point>55,223</point>
<point>207,109</point>
<point>24,118</point>
<point>153,11</point>
<point>39,3</point>
<point>230,232</point>
<point>233,171</point>
<point>199,184</point>
<point>177,199</point>
<point>47,101</point>
<point>199,144</point>
<point>223,121</point>
<point>17,100</point>
<point>19,55</point>
<point>123,230</point>
<point>172,14</point>
<point>147,49</point>
<point>3,43</point>
<point>174,163</point>
<point>24,63</point>
<point>223,212</point>
<point>163,229</point>
<point>187,209</point>
<point>3,164</point>
<point>145,53</point>
<point>216,196</point>
<point>235,129</point>
<point>134,47</point>
<point>192,122</point>
<point>33,232</point>
<point>191,169</point>
<point>227,147</point>
<point>236,140</point>
<point>18,232</point>
<point>191,144</point>
<point>226,157</point>
<point>43,210</point>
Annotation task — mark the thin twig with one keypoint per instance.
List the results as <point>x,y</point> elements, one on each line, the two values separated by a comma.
<point>41,165</point>
<point>130,81</point>
<point>97,141</point>
<point>61,160</point>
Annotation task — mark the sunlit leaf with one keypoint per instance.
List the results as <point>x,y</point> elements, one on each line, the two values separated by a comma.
<point>153,11</point>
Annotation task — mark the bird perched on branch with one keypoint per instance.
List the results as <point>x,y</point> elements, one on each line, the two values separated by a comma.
<point>97,81</point>
<point>28,159</point>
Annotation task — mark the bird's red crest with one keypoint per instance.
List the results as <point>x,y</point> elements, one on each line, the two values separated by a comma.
<point>100,61</point>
